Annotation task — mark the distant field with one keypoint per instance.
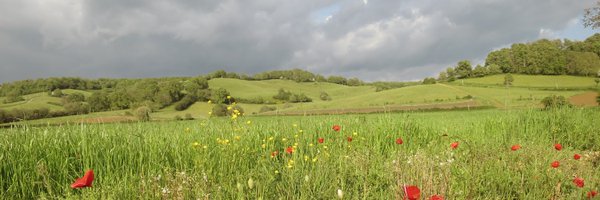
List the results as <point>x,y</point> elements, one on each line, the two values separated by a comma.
<point>537,81</point>
<point>526,92</point>
<point>268,88</point>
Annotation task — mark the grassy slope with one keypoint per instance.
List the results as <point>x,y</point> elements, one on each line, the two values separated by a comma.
<point>483,89</point>
<point>537,81</point>
<point>268,88</point>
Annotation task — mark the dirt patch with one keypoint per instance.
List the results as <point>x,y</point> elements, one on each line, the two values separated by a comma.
<point>459,105</point>
<point>110,119</point>
<point>585,99</point>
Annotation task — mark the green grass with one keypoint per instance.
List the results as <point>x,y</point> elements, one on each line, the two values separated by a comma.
<point>268,88</point>
<point>215,158</point>
<point>40,100</point>
<point>534,81</point>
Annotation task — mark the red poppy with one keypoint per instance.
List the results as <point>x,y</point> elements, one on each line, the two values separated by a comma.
<point>576,156</point>
<point>436,197</point>
<point>454,145</point>
<point>289,150</point>
<point>274,153</point>
<point>85,181</point>
<point>592,194</point>
<point>336,127</point>
<point>399,141</point>
<point>558,147</point>
<point>321,140</point>
<point>411,192</point>
<point>349,139</point>
<point>555,164</point>
<point>515,147</point>
<point>578,182</point>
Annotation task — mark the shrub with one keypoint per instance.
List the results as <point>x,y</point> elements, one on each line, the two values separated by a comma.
<point>267,109</point>
<point>143,113</point>
<point>220,95</point>
<point>185,103</point>
<point>56,93</point>
<point>282,95</point>
<point>13,98</point>
<point>221,110</point>
<point>324,96</point>
<point>555,102</point>
<point>77,108</point>
<point>178,118</point>
<point>296,98</point>
<point>188,116</point>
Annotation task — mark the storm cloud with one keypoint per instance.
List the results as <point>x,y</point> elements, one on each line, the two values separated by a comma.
<point>368,39</point>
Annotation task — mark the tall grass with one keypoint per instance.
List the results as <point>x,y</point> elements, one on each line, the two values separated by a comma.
<point>224,159</point>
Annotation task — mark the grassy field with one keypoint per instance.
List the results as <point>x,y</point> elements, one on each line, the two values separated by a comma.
<point>526,92</point>
<point>534,81</point>
<point>221,158</point>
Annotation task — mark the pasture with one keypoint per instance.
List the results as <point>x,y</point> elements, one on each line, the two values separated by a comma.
<point>283,157</point>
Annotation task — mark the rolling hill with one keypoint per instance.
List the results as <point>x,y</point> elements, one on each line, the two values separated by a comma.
<point>527,91</point>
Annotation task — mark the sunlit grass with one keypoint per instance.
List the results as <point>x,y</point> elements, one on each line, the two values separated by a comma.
<point>216,158</point>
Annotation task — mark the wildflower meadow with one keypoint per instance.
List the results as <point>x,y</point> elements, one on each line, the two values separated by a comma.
<point>482,154</point>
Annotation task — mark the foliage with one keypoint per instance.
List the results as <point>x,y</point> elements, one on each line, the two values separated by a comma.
<point>429,80</point>
<point>508,80</point>
<point>185,103</point>
<point>297,98</point>
<point>324,96</point>
<point>591,17</point>
<point>143,113</point>
<point>220,95</point>
<point>72,98</point>
<point>219,110</point>
<point>555,101</point>
<point>56,93</point>
<point>267,109</point>
<point>282,95</point>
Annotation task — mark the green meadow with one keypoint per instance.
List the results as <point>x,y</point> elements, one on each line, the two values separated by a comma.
<point>223,158</point>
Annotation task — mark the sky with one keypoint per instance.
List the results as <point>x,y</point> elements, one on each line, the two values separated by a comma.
<point>374,40</point>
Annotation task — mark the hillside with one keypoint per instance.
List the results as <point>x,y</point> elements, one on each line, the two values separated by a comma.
<point>526,92</point>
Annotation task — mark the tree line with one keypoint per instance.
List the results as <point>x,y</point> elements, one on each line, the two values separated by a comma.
<point>541,57</point>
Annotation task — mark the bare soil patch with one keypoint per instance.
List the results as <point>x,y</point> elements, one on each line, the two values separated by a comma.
<point>586,99</point>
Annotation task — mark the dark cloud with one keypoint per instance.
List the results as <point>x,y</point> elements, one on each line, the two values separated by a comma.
<point>378,40</point>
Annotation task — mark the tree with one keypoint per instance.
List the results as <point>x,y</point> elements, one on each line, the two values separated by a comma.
<point>282,95</point>
<point>429,80</point>
<point>56,93</point>
<point>591,17</point>
<point>479,71</point>
<point>220,96</point>
<point>463,69</point>
<point>99,101</point>
<point>451,74</point>
<point>508,79</point>
<point>337,80</point>
<point>72,98</point>
<point>354,82</point>
<point>442,77</point>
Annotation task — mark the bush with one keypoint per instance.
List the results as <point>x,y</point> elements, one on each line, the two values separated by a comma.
<point>13,98</point>
<point>77,108</point>
<point>256,100</point>
<point>72,98</point>
<point>282,95</point>
<point>221,110</point>
<point>324,96</point>
<point>220,95</point>
<point>296,98</point>
<point>143,113</point>
<point>56,93</point>
<point>178,118</point>
<point>185,103</point>
<point>188,116</point>
<point>267,109</point>
<point>555,102</point>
